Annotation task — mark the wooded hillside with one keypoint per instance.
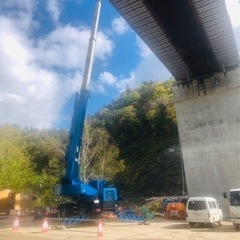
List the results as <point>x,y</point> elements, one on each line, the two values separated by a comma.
<point>142,124</point>
<point>132,143</point>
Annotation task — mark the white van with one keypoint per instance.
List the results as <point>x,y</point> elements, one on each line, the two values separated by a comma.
<point>203,210</point>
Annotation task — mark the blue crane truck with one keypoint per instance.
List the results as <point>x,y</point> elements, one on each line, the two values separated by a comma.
<point>83,197</point>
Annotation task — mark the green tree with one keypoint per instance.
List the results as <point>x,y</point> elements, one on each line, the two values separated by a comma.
<point>107,156</point>
<point>17,171</point>
<point>46,149</point>
<point>88,151</point>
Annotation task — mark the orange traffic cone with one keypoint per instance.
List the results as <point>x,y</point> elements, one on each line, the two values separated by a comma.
<point>45,226</point>
<point>100,229</point>
<point>16,224</point>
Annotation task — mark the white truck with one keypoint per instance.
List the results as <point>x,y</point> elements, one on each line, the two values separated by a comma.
<point>234,206</point>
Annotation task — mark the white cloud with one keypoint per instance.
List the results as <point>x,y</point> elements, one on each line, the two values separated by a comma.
<point>28,91</point>
<point>25,5</point>
<point>104,46</point>
<point>130,81</point>
<point>64,47</point>
<point>53,6</point>
<point>105,79</point>
<point>120,26</point>
<point>67,47</point>
<point>23,18</point>
<point>39,75</point>
<point>149,68</point>
<point>109,84</point>
<point>144,50</point>
<point>108,78</point>
<point>233,7</point>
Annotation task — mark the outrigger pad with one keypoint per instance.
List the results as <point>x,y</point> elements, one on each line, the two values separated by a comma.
<point>131,217</point>
<point>73,220</point>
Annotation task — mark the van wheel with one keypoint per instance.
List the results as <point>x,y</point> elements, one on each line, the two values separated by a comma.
<point>191,224</point>
<point>236,226</point>
<point>220,223</point>
<point>213,225</point>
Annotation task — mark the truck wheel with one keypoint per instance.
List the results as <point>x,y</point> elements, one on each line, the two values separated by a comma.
<point>191,224</point>
<point>81,210</point>
<point>236,226</point>
<point>63,212</point>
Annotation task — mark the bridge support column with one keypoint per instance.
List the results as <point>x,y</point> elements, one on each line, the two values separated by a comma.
<point>208,117</point>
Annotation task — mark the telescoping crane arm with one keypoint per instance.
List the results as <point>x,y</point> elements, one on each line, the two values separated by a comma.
<point>71,183</point>
<point>94,196</point>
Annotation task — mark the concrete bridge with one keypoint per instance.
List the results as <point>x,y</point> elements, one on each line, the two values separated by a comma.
<point>194,39</point>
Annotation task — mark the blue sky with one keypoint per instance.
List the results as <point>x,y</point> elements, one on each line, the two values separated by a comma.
<point>43,46</point>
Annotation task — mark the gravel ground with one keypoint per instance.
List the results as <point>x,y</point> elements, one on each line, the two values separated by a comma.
<point>158,229</point>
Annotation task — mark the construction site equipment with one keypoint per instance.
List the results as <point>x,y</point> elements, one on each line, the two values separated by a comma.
<point>175,210</point>
<point>13,203</point>
<point>234,206</point>
<point>94,196</point>
<point>131,216</point>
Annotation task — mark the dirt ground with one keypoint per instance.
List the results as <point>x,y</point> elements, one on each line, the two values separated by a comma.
<point>158,229</point>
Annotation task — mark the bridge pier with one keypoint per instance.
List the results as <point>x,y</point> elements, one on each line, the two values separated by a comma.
<point>208,117</point>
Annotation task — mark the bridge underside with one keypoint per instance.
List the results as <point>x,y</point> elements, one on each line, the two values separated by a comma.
<point>192,38</point>
<point>184,30</point>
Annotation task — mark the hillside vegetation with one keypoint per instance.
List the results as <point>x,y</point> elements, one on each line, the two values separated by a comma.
<point>142,124</point>
<point>132,143</point>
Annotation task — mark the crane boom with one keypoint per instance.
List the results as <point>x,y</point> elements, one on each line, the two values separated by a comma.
<point>81,99</point>
<point>94,196</point>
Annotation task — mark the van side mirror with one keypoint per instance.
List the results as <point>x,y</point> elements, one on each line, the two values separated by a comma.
<point>224,195</point>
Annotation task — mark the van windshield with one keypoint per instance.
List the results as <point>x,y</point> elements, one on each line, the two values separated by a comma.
<point>197,205</point>
<point>235,198</point>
